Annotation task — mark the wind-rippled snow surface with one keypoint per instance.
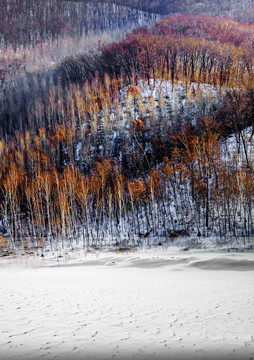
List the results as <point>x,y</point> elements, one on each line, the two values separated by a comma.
<point>150,305</point>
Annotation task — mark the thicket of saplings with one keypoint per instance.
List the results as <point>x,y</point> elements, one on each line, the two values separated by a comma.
<point>77,179</point>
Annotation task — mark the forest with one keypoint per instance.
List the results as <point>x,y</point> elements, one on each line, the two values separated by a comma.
<point>34,39</point>
<point>150,136</point>
<point>242,10</point>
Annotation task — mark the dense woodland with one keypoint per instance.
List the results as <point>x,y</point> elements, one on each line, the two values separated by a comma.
<point>241,10</point>
<point>23,23</point>
<point>148,136</point>
<point>35,35</point>
<point>35,38</point>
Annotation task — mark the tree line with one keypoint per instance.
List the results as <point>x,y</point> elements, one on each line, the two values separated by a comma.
<point>193,192</point>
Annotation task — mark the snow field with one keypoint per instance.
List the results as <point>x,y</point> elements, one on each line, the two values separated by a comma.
<point>145,305</point>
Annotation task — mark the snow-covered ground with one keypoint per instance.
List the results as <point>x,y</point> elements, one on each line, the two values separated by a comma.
<point>172,103</point>
<point>234,153</point>
<point>151,304</point>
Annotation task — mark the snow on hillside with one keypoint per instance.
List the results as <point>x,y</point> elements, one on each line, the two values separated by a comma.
<point>159,105</point>
<point>173,102</point>
<point>146,305</point>
<point>239,147</point>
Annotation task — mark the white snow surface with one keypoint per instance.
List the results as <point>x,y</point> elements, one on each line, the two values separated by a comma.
<point>152,304</point>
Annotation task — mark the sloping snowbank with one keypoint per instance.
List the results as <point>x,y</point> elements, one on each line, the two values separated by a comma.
<point>145,305</point>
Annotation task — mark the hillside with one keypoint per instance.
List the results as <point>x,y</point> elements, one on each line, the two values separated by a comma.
<point>35,38</point>
<point>130,142</point>
<point>242,10</point>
